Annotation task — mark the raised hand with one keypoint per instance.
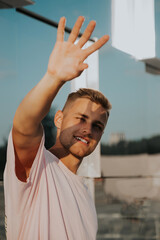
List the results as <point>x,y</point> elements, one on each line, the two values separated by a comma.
<point>67,58</point>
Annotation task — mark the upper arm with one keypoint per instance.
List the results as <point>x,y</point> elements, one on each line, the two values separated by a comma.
<point>25,147</point>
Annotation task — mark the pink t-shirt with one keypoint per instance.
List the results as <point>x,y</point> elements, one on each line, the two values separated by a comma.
<point>54,203</point>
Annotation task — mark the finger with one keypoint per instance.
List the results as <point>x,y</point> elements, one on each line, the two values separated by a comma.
<point>95,46</point>
<point>60,31</point>
<point>75,31</point>
<point>87,33</point>
<point>83,66</point>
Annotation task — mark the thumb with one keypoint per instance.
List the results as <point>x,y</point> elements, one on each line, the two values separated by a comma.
<point>83,66</point>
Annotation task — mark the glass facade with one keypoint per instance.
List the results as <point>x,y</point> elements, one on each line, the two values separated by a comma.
<point>127,197</point>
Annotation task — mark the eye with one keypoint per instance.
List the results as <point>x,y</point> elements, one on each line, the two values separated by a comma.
<point>97,127</point>
<point>81,119</point>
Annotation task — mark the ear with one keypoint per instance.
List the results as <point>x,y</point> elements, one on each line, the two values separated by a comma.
<point>58,118</point>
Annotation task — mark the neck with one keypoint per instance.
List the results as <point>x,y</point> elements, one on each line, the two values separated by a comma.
<point>70,161</point>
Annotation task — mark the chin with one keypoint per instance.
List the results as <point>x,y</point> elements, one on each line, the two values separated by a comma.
<point>80,155</point>
<point>80,152</point>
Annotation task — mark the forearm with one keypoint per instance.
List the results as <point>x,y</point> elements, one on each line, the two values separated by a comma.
<point>36,105</point>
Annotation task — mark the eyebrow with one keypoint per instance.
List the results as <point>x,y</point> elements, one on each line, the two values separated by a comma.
<point>85,116</point>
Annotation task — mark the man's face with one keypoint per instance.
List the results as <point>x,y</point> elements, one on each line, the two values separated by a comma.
<point>82,127</point>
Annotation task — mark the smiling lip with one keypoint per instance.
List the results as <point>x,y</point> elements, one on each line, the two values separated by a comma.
<point>81,139</point>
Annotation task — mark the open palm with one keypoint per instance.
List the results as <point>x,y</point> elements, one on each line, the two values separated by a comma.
<point>67,58</point>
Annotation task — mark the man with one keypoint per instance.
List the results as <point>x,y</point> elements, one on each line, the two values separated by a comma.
<point>44,198</point>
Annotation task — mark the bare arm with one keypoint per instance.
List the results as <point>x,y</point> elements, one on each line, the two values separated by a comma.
<point>66,62</point>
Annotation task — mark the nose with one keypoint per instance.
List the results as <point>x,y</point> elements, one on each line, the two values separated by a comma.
<point>87,129</point>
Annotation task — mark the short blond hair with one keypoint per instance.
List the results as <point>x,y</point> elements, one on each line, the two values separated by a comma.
<point>93,95</point>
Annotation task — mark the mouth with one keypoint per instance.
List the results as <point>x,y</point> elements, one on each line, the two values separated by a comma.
<point>81,139</point>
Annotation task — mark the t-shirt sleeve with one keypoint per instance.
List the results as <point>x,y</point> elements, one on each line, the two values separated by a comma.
<point>19,195</point>
<point>12,184</point>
